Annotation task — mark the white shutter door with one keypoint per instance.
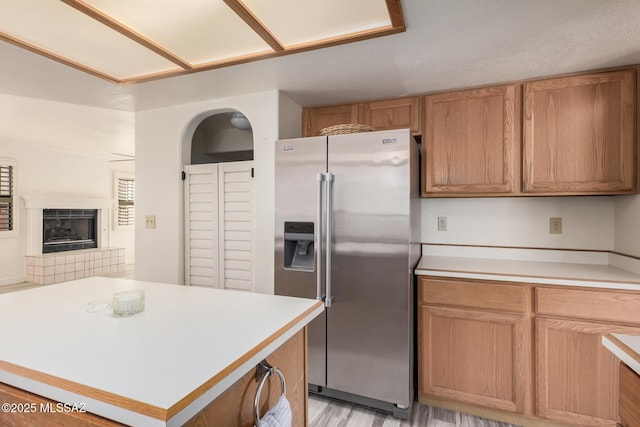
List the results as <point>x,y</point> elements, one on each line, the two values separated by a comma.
<point>201,225</point>
<point>236,220</point>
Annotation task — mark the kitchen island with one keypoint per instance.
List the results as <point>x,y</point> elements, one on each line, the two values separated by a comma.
<point>165,366</point>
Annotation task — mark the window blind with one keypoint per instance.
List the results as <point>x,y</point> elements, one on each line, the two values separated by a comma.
<point>6,198</point>
<point>126,195</point>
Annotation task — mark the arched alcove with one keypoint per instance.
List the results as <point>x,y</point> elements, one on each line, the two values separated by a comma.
<point>219,201</point>
<point>218,139</point>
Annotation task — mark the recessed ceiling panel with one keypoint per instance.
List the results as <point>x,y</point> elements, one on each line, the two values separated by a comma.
<point>63,31</point>
<point>198,31</point>
<point>295,22</point>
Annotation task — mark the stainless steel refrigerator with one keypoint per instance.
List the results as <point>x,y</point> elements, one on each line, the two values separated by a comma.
<point>346,232</point>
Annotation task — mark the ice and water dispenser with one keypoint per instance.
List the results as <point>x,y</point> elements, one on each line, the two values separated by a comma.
<point>298,246</point>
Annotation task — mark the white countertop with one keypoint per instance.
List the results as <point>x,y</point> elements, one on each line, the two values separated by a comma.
<point>155,368</point>
<point>539,272</point>
<point>625,348</point>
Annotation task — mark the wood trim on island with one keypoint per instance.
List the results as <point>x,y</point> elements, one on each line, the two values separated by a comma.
<point>146,409</point>
<point>233,408</point>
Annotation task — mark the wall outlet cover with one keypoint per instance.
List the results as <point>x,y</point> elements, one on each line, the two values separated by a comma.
<point>555,225</point>
<point>149,221</point>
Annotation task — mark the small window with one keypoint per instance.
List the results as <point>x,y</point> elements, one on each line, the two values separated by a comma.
<point>125,196</point>
<point>7,196</point>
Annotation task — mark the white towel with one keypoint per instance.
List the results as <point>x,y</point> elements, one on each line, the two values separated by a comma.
<point>278,416</point>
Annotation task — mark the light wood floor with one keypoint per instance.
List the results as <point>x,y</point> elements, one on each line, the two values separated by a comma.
<point>332,413</point>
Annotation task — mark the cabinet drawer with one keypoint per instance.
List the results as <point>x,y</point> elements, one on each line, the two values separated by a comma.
<point>629,406</point>
<point>484,295</point>
<point>593,305</point>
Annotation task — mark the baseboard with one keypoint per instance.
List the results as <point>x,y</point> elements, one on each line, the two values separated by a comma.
<point>12,280</point>
<point>492,414</point>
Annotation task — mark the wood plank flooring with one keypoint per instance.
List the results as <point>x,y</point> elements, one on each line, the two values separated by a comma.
<point>332,413</point>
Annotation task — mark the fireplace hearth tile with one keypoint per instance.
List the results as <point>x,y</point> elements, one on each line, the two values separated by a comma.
<point>50,268</point>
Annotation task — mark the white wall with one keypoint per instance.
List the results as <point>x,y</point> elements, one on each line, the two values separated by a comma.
<point>627,223</point>
<point>60,149</point>
<point>290,118</point>
<point>587,222</point>
<point>161,137</point>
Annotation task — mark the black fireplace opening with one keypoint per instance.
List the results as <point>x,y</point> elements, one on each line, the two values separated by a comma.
<point>68,229</point>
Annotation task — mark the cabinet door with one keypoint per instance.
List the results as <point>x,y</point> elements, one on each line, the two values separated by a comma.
<point>400,113</point>
<point>629,396</point>
<point>471,142</point>
<point>317,118</point>
<point>579,134</point>
<point>577,377</point>
<point>473,357</point>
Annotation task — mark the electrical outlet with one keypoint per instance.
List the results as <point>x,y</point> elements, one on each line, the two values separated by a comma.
<point>149,221</point>
<point>442,223</point>
<point>555,225</point>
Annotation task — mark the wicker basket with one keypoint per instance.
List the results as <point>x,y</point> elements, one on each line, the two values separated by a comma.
<point>345,128</point>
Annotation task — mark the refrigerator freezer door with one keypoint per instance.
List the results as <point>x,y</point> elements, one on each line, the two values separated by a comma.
<point>369,349</point>
<point>298,163</point>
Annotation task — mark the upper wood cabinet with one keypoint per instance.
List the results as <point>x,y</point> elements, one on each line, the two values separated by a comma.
<point>471,142</point>
<point>579,134</point>
<point>398,113</point>
<point>317,118</point>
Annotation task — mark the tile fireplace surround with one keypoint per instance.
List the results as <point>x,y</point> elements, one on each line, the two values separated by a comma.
<point>69,265</point>
<point>46,269</point>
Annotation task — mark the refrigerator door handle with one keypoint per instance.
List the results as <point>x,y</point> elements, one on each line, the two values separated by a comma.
<point>319,218</point>
<point>329,299</point>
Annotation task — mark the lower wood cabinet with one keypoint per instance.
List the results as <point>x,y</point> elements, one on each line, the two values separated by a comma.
<point>473,356</point>
<point>629,402</point>
<point>526,352</point>
<point>475,343</point>
<point>576,376</point>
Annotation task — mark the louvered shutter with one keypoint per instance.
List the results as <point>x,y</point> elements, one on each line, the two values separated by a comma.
<point>6,198</point>
<point>126,204</point>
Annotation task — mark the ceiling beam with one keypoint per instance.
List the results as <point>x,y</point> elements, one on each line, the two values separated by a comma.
<point>61,59</point>
<point>395,13</point>
<point>252,21</point>
<point>101,17</point>
<point>302,47</point>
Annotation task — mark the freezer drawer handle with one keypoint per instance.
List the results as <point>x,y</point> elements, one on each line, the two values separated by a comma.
<point>329,299</point>
<point>318,237</point>
<point>263,371</point>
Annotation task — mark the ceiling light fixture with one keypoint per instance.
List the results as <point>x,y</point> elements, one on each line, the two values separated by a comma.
<point>240,121</point>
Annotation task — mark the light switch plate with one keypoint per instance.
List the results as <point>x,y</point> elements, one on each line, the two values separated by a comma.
<point>442,223</point>
<point>149,221</point>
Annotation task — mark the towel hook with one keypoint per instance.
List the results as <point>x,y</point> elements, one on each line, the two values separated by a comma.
<point>263,371</point>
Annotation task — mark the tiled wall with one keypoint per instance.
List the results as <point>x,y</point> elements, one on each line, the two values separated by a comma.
<point>60,267</point>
